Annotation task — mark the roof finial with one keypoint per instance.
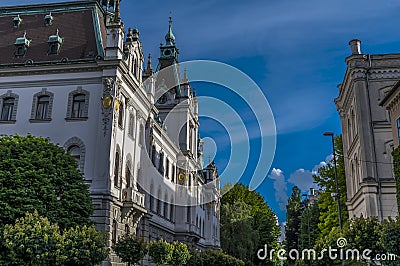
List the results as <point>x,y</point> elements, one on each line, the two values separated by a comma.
<point>169,37</point>
<point>185,77</point>
<point>149,69</point>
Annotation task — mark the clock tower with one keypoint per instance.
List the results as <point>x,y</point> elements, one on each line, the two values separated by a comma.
<point>169,52</point>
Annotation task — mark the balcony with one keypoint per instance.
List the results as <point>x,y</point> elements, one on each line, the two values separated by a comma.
<point>133,202</point>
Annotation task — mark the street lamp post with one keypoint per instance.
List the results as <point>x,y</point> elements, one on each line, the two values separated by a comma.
<point>327,134</point>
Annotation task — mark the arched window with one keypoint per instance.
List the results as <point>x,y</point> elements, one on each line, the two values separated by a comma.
<point>116,169</point>
<point>76,148</point>
<point>75,152</point>
<point>121,112</point>
<point>128,175</point>
<point>7,109</point>
<point>114,231</point>
<point>161,164</point>
<point>173,174</point>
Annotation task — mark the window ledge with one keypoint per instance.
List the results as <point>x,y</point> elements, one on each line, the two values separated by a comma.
<point>8,121</point>
<point>40,120</point>
<point>76,119</point>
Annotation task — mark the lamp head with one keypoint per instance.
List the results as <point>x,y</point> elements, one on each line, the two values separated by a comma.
<point>328,134</point>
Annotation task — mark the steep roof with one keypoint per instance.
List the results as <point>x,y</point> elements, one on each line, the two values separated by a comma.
<point>80,24</point>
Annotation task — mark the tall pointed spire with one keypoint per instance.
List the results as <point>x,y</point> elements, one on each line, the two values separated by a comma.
<point>185,77</point>
<point>149,69</point>
<point>169,37</point>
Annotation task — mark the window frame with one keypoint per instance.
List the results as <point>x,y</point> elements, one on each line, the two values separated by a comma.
<point>35,104</point>
<point>75,141</point>
<point>13,116</point>
<point>70,107</point>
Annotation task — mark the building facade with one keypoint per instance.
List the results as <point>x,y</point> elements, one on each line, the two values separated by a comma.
<point>71,72</point>
<point>367,133</point>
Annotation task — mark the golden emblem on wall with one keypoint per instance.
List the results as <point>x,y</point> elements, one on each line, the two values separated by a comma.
<point>181,178</point>
<point>116,104</point>
<point>106,101</point>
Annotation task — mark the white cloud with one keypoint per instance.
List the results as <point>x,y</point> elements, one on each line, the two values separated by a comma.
<point>303,179</point>
<point>280,186</point>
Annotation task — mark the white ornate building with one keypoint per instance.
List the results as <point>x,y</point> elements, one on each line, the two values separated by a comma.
<point>69,71</point>
<point>367,133</point>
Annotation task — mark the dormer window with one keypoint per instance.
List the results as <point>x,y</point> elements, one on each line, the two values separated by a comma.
<point>21,44</point>
<point>55,42</point>
<point>17,21</point>
<point>48,20</point>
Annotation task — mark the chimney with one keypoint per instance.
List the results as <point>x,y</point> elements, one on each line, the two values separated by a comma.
<point>355,46</point>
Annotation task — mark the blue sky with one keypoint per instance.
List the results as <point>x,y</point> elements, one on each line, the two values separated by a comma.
<point>293,50</point>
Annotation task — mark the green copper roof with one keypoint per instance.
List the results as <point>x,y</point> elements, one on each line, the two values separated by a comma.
<point>169,37</point>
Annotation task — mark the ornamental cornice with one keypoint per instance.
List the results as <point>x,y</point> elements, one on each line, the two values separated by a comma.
<point>393,73</point>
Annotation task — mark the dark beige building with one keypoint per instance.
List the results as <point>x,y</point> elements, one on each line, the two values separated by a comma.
<point>367,132</point>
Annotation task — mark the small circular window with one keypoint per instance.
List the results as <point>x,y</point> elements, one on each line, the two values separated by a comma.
<point>167,52</point>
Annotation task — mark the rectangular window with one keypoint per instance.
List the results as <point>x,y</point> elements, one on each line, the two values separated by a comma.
<point>7,109</point>
<point>42,107</point>
<point>78,106</point>
<point>167,168</point>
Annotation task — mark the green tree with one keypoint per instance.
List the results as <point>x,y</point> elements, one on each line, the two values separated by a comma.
<point>238,235</point>
<point>391,239</point>
<point>38,175</point>
<point>33,240</point>
<point>309,230</point>
<point>218,258</point>
<point>130,249</point>
<point>160,251</point>
<point>180,254</point>
<point>84,246</point>
<point>293,220</point>
<point>396,170</point>
<point>264,219</point>
<point>325,179</point>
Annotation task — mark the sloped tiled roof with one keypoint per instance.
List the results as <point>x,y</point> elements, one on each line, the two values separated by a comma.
<point>82,29</point>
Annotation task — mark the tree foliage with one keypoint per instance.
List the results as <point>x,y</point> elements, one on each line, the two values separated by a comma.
<point>84,246</point>
<point>238,235</point>
<point>327,204</point>
<point>264,222</point>
<point>38,175</point>
<point>396,170</point>
<point>309,230</point>
<point>180,254</point>
<point>34,240</point>
<point>160,251</point>
<point>293,219</point>
<point>213,258</point>
<point>130,249</point>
